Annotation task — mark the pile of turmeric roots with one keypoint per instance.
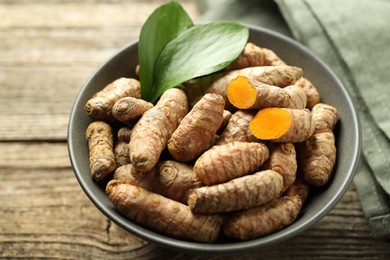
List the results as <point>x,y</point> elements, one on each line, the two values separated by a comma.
<point>229,154</point>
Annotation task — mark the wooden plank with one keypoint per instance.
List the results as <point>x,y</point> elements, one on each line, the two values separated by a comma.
<point>52,48</point>
<point>36,102</point>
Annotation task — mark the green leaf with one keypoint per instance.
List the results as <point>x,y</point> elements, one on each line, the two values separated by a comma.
<point>163,25</point>
<point>198,51</point>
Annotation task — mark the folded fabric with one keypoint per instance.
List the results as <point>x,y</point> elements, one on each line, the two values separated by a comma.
<point>352,37</point>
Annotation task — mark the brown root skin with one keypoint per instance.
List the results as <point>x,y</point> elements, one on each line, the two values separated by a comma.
<point>124,134</point>
<point>122,153</point>
<point>177,180</point>
<point>197,129</point>
<point>318,154</point>
<point>162,214</point>
<point>101,152</point>
<point>298,98</point>
<point>99,107</point>
<point>222,163</point>
<point>150,135</point>
<point>237,194</point>
<point>237,128</point>
<point>251,56</point>
<point>127,173</point>
<point>312,94</point>
<point>268,218</point>
<point>128,109</point>
<point>272,59</point>
<point>226,118</point>
<point>282,125</point>
<point>283,160</point>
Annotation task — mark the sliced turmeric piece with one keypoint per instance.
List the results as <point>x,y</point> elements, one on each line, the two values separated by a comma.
<point>150,135</point>
<point>246,93</point>
<point>318,154</point>
<point>162,214</point>
<point>280,76</point>
<point>282,125</point>
<point>101,149</point>
<point>197,129</point>
<point>268,218</point>
<point>282,159</point>
<point>222,163</point>
<point>237,128</point>
<point>99,107</point>
<point>240,193</point>
<point>129,109</point>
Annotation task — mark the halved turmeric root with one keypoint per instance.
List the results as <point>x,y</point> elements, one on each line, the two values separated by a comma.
<point>282,125</point>
<point>248,93</point>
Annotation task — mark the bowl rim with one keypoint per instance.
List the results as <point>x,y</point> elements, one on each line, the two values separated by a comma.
<point>239,246</point>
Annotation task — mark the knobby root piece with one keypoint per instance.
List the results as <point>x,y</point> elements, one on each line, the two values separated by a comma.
<point>237,128</point>
<point>177,180</point>
<point>222,163</point>
<point>260,221</point>
<point>153,130</point>
<point>101,152</point>
<point>247,93</point>
<point>237,194</point>
<point>170,179</point>
<point>318,154</point>
<point>129,109</point>
<point>124,133</point>
<point>162,214</point>
<point>312,94</point>
<point>298,98</point>
<point>99,107</point>
<point>282,159</point>
<point>197,129</point>
<point>251,56</point>
<point>282,125</point>
<point>129,174</point>
<point>122,153</point>
<point>280,76</point>
<point>272,59</point>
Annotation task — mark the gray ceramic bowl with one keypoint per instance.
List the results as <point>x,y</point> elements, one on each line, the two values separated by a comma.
<point>319,202</point>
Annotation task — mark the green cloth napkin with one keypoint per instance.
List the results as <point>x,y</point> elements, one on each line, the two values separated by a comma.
<point>353,38</point>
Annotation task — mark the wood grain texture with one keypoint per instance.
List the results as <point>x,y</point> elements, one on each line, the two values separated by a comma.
<point>48,49</point>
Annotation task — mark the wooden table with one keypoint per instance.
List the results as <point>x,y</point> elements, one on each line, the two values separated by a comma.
<point>48,49</point>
